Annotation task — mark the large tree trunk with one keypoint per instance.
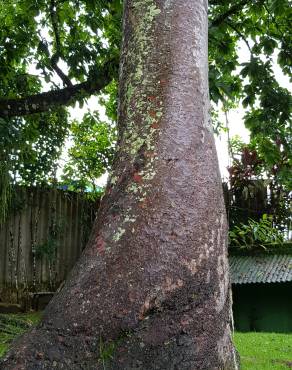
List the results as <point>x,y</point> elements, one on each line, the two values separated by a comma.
<point>151,290</point>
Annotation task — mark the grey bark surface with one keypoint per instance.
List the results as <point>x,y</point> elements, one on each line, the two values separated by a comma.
<point>151,290</point>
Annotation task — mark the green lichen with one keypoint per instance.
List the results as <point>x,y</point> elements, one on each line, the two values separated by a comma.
<point>129,93</point>
<point>136,145</point>
<point>129,219</point>
<point>149,175</point>
<point>154,11</point>
<point>139,72</point>
<point>113,180</point>
<point>136,102</point>
<point>140,107</point>
<point>120,232</point>
<point>133,188</point>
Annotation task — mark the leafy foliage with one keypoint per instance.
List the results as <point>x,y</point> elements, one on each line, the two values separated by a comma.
<point>250,178</point>
<point>92,152</point>
<point>246,165</point>
<point>29,150</point>
<point>65,42</point>
<point>263,26</point>
<point>255,233</point>
<point>53,45</point>
<point>32,146</point>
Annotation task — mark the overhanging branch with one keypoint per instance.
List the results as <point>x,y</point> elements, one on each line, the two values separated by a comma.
<point>54,20</point>
<point>65,79</point>
<point>45,101</point>
<point>56,56</point>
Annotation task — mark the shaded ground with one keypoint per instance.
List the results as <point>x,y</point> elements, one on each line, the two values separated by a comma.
<point>259,351</point>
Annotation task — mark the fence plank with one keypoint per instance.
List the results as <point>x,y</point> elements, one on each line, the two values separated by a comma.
<point>40,241</point>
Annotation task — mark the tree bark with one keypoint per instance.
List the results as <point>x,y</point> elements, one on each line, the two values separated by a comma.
<point>151,290</point>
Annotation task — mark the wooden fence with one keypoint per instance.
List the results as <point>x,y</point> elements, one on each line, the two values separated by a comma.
<point>41,240</point>
<point>45,235</point>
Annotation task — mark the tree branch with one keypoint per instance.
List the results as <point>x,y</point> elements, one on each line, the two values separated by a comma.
<point>54,19</point>
<point>231,11</point>
<point>65,79</point>
<point>240,35</point>
<point>47,100</point>
<point>53,62</point>
<point>56,56</point>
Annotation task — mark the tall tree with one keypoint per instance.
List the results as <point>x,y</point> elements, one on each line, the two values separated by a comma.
<point>151,290</point>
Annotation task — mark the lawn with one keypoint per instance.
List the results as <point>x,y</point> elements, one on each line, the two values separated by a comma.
<point>258,351</point>
<point>264,351</point>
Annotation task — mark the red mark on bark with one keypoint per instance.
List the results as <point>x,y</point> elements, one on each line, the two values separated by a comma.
<point>60,339</point>
<point>173,235</point>
<point>100,244</point>
<point>163,82</point>
<point>155,125</point>
<point>152,113</point>
<point>143,204</point>
<point>151,98</point>
<point>185,321</point>
<point>137,177</point>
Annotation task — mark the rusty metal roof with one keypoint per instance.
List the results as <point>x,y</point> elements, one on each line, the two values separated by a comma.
<point>261,269</point>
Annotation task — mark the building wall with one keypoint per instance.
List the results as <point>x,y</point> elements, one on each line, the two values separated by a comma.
<point>263,307</point>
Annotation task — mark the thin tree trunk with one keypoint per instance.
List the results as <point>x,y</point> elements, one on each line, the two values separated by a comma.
<point>151,290</point>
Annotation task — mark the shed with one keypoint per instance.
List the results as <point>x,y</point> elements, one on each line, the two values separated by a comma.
<point>262,292</point>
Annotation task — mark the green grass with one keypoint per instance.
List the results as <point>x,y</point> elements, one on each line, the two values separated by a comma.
<point>258,351</point>
<point>12,325</point>
<point>264,351</point>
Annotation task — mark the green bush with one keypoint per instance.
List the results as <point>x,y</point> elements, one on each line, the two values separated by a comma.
<point>255,234</point>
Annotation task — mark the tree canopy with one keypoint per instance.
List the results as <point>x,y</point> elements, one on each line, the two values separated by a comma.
<point>58,52</point>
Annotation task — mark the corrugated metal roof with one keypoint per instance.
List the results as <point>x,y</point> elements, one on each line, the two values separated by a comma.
<point>261,269</point>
